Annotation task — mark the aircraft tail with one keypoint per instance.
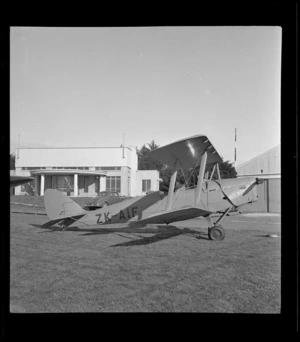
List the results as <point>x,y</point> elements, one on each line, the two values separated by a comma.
<point>60,208</point>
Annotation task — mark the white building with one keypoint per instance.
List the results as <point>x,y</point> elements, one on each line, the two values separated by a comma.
<point>85,171</point>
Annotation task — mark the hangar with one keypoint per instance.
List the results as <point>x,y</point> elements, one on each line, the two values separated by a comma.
<point>267,167</point>
<point>84,171</point>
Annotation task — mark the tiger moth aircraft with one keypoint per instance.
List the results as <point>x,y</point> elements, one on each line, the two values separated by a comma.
<point>209,197</point>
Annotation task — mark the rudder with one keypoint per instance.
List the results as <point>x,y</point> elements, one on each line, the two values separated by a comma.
<point>58,205</point>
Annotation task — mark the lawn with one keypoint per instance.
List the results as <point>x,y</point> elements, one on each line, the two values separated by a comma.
<point>152,269</point>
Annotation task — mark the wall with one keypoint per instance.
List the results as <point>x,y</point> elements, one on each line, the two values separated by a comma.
<point>70,157</point>
<point>274,195</point>
<point>153,175</point>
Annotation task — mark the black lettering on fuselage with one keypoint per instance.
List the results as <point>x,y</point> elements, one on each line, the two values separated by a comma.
<point>122,216</point>
<point>106,218</point>
<point>99,216</point>
<point>134,211</point>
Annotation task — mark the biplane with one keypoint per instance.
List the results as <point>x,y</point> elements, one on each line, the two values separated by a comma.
<point>211,195</point>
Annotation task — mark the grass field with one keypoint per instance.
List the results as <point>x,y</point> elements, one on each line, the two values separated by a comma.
<point>153,269</point>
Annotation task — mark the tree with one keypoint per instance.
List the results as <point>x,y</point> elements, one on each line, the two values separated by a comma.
<point>144,161</point>
<point>227,169</point>
<point>147,163</point>
<point>12,162</point>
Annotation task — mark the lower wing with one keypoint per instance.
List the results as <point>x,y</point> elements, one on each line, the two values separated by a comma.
<point>175,215</point>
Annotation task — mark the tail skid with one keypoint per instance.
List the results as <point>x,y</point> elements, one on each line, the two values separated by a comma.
<point>61,209</point>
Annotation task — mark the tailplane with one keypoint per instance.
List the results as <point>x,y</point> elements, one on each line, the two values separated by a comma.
<point>60,208</point>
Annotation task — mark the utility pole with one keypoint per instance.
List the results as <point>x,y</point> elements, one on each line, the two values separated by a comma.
<point>123,145</point>
<point>235,139</point>
<point>17,156</point>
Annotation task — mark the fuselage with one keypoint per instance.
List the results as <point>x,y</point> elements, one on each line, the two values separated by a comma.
<point>215,197</point>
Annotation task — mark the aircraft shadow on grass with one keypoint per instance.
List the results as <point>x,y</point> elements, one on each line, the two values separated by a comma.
<point>160,232</point>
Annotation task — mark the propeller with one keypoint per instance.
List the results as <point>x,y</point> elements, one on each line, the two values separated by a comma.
<point>251,186</point>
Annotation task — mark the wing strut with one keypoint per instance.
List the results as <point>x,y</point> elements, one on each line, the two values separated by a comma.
<point>172,185</point>
<point>219,176</point>
<point>212,173</point>
<point>200,178</point>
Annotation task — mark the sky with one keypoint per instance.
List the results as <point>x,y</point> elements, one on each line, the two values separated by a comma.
<point>89,87</point>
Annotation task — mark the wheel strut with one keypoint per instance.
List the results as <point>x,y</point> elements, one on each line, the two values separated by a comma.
<point>216,231</point>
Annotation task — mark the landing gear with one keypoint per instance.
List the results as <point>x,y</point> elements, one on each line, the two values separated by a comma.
<point>216,233</point>
<point>215,230</point>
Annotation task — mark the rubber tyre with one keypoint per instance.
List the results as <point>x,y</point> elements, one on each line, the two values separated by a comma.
<point>105,204</point>
<point>216,233</point>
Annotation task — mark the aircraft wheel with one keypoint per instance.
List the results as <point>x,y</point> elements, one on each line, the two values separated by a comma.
<point>216,233</point>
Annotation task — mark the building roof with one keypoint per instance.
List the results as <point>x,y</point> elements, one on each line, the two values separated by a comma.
<point>259,156</point>
<point>266,164</point>
<point>67,172</point>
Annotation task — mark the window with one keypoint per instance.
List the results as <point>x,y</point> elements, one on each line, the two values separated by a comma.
<point>113,183</point>
<point>65,183</point>
<point>146,185</point>
<point>97,185</point>
<point>31,168</point>
<point>110,168</point>
<point>86,184</point>
<point>128,185</point>
<point>71,168</point>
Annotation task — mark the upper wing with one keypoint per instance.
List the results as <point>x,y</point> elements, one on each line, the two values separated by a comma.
<point>188,151</point>
<point>18,180</point>
<point>175,215</point>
